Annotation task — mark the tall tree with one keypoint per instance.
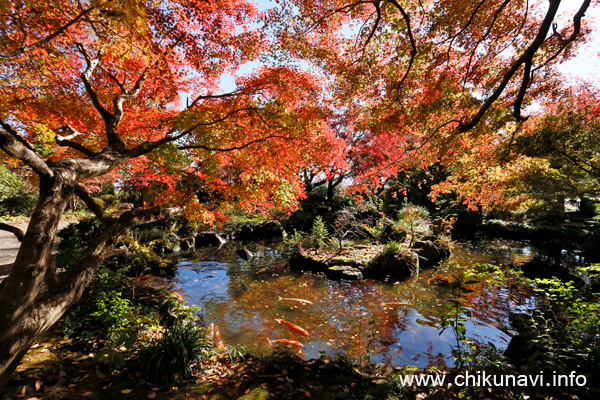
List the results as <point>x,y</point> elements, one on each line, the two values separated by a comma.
<point>94,88</point>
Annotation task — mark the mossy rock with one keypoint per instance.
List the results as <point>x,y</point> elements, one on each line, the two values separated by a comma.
<point>390,266</point>
<point>344,272</point>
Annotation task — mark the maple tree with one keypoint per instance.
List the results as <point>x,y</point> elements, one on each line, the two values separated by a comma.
<point>101,89</point>
<point>94,90</point>
<point>430,81</point>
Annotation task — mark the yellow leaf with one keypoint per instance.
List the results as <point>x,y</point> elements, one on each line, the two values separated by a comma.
<point>86,394</point>
<point>38,384</point>
<point>126,391</point>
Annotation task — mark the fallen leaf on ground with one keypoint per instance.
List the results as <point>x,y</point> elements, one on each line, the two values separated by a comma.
<point>152,395</point>
<point>38,384</point>
<point>86,394</point>
<point>126,391</point>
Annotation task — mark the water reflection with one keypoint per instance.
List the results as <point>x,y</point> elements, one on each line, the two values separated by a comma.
<point>392,322</point>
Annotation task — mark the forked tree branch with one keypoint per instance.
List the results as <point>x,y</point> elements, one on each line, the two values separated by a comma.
<point>526,57</point>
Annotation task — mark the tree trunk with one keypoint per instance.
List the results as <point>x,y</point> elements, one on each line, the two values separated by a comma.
<point>18,292</point>
<point>26,310</point>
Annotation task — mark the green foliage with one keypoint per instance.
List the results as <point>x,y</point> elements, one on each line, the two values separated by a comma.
<point>14,197</point>
<point>170,360</point>
<point>74,239</point>
<point>568,327</point>
<point>317,239</point>
<point>466,353</point>
<point>319,233</point>
<point>10,183</point>
<point>413,220</point>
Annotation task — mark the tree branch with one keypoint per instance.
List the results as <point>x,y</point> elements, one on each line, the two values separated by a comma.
<point>527,56</point>
<point>91,204</point>
<point>226,149</point>
<point>24,48</point>
<point>110,120</point>
<point>413,46</point>
<point>13,229</point>
<point>65,141</point>
<point>18,150</point>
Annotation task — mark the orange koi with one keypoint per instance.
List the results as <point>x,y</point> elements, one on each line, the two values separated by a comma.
<point>284,343</point>
<point>215,335</point>
<point>439,278</point>
<point>293,327</point>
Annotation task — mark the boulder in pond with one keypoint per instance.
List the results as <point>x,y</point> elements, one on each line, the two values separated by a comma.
<point>390,265</point>
<point>206,239</point>
<point>541,269</point>
<point>300,262</point>
<point>430,253</point>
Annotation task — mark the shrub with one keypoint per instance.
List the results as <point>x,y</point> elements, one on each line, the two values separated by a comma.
<point>170,360</point>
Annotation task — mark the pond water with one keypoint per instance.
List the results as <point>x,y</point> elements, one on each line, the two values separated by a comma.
<point>392,322</point>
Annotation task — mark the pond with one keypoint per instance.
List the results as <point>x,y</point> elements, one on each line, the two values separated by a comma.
<point>391,322</point>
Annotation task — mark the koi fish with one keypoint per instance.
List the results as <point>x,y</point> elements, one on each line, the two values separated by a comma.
<point>293,327</point>
<point>395,303</point>
<point>215,335</point>
<point>178,295</point>
<point>292,299</point>
<point>284,343</point>
<point>439,278</point>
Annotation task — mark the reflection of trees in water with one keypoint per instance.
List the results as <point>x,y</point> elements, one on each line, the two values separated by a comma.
<point>347,317</point>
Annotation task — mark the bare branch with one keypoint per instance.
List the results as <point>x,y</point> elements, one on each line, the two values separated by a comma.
<point>129,94</point>
<point>576,30</point>
<point>13,229</point>
<point>86,75</point>
<point>147,147</point>
<point>522,90</point>
<point>413,45</point>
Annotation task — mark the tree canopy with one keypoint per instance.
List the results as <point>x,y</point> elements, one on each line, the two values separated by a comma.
<point>130,90</point>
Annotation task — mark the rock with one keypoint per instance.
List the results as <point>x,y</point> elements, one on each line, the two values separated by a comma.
<point>344,272</point>
<point>244,254</point>
<point>186,244</point>
<point>541,269</point>
<point>268,230</point>
<point>522,348</point>
<point>430,253</point>
<point>300,262</point>
<point>390,265</point>
<point>205,239</point>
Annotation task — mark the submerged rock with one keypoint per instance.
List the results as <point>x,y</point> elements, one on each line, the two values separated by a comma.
<point>205,239</point>
<point>344,272</point>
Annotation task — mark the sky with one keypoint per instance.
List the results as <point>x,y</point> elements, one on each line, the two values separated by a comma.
<point>587,63</point>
